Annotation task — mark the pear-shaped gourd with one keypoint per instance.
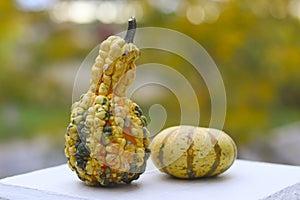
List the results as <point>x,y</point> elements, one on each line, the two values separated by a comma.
<point>107,139</point>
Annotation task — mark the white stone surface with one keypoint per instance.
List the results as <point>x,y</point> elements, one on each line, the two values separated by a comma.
<point>289,193</point>
<point>244,180</point>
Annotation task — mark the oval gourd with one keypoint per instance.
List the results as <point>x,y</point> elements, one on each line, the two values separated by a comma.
<point>192,152</point>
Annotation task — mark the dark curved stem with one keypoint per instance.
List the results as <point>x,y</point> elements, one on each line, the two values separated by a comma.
<point>131,30</point>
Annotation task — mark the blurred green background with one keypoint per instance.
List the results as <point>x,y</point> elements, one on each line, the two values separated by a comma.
<point>255,44</point>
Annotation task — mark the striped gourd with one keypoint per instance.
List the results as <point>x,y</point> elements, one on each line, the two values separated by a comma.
<point>107,140</point>
<point>192,152</point>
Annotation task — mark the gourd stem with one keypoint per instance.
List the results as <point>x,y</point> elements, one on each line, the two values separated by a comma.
<point>131,30</point>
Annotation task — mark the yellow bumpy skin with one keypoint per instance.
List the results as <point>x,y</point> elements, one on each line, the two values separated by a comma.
<point>192,152</point>
<point>107,140</point>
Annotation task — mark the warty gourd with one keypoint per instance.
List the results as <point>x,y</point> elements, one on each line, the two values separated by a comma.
<point>107,140</point>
